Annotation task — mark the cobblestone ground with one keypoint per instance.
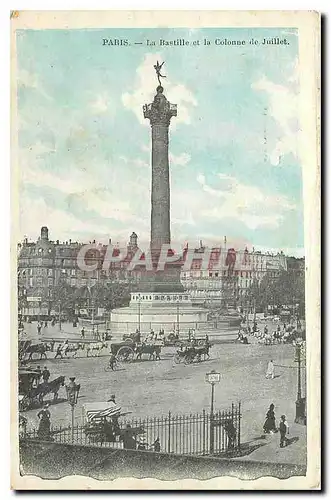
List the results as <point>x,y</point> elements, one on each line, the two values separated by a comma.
<point>153,388</point>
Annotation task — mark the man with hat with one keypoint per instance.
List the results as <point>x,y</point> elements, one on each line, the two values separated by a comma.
<point>46,374</point>
<point>112,399</point>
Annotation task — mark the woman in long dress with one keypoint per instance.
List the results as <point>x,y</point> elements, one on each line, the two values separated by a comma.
<point>270,422</point>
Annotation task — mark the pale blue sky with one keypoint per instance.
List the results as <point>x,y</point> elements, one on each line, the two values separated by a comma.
<point>84,145</point>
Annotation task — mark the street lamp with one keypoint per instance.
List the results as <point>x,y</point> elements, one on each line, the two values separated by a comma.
<point>300,404</point>
<point>72,390</point>
<point>178,316</point>
<point>139,312</point>
<point>212,378</point>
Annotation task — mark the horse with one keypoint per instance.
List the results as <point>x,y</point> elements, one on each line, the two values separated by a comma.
<point>151,349</point>
<point>22,348</point>
<point>95,348</point>
<point>203,351</point>
<point>45,388</point>
<point>72,348</point>
<point>36,349</point>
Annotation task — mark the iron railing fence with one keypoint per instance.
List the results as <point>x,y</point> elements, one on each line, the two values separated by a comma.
<point>189,434</point>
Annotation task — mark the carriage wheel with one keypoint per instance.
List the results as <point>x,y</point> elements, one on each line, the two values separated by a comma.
<point>178,359</point>
<point>107,367</point>
<point>188,360</point>
<point>125,354</point>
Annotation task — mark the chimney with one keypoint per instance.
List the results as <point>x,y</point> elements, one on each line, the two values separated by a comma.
<point>44,233</point>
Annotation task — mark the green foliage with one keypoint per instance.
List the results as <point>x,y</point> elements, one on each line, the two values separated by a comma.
<point>288,288</point>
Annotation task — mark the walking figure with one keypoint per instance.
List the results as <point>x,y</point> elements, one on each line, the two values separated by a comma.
<point>270,422</point>
<point>46,374</point>
<point>59,351</point>
<point>44,429</point>
<point>283,429</point>
<point>39,328</point>
<point>270,370</point>
<point>112,361</point>
<point>83,333</point>
<point>156,445</point>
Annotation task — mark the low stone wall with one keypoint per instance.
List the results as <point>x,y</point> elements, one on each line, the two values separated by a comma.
<point>55,460</point>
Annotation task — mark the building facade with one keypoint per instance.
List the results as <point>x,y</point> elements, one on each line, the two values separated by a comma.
<point>229,274</point>
<point>46,266</point>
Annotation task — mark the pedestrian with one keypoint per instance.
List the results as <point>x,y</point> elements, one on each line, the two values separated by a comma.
<point>129,443</point>
<point>44,429</point>
<point>269,426</point>
<point>156,445</point>
<point>46,374</point>
<point>37,376</point>
<point>59,351</point>
<point>82,332</point>
<point>45,324</point>
<point>39,328</point>
<point>142,445</point>
<point>112,361</point>
<point>270,373</point>
<point>283,429</point>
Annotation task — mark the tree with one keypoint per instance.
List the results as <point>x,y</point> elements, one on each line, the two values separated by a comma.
<point>63,299</point>
<point>287,288</point>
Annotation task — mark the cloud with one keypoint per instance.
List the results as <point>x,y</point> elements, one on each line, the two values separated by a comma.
<point>283,108</point>
<point>27,79</point>
<point>144,92</point>
<point>69,181</point>
<point>243,202</point>
<point>101,104</point>
<point>181,160</point>
<point>35,212</point>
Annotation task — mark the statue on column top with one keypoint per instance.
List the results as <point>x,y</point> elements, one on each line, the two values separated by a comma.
<point>158,68</point>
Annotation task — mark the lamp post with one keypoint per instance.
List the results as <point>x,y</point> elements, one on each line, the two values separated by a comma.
<point>72,390</point>
<point>212,378</point>
<point>178,317</point>
<point>139,305</point>
<point>300,404</point>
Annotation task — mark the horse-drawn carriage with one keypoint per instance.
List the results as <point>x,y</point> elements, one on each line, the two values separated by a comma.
<point>192,352</point>
<point>128,350</point>
<point>102,425</point>
<point>32,392</point>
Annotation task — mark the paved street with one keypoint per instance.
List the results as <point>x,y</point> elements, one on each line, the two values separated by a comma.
<point>153,388</point>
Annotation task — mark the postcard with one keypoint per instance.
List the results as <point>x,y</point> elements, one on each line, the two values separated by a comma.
<point>165,252</point>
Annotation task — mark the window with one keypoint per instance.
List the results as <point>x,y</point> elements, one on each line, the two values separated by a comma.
<point>73,281</point>
<point>50,281</point>
<point>50,272</point>
<point>210,275</point>
<point>31,281</point>
<point>216,274</point>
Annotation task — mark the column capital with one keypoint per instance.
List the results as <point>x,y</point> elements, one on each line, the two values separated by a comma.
<point>160,111</point>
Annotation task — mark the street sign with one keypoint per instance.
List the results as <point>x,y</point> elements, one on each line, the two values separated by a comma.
<point>213,377</point>
<point>33,299</point>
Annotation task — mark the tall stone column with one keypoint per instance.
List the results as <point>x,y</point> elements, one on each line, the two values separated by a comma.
<point>159,113</point>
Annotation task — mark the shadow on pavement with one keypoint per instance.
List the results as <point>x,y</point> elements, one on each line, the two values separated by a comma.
<point>292,440</point>
<point>245,448</point>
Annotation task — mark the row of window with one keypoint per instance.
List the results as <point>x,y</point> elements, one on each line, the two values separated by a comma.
<point>242,274</point>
